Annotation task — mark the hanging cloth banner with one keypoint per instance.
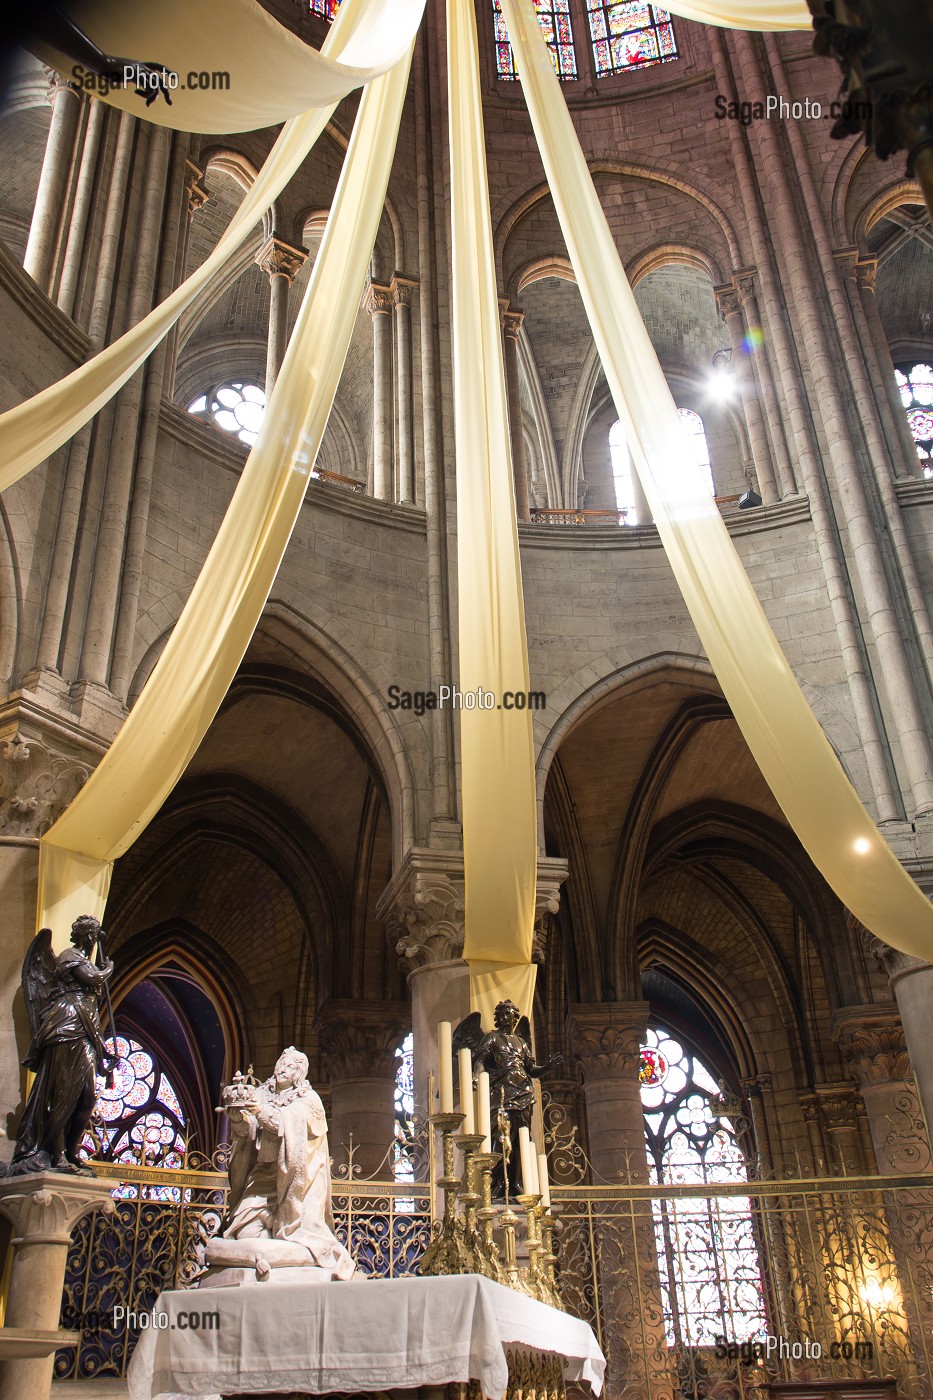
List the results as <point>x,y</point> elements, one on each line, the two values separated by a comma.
<point>210,637</point>
<point>744,14</point>
<point>785,739</point>
<point>497,751</point>
<point>255,72</point>
<point>33,430</point>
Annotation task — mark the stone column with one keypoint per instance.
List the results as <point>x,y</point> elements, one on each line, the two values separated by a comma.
<point>379,304</point>
<point>607,1037</point>
<point>911,981</point>
<point>84,194</point>
<point>746,291</point>
<point>402,290</point>
<point>50,199</point>
<point>43,1209</point>
<point>196,196</point>
<point>358,1042</point>
<point>511,329</point>
<point>872,1042</point>
<point>730,309</point>
<point>281,263</point>
<point>839,1113</point>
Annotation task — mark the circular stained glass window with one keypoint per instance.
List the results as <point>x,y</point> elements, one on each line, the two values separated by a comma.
<point>652,1068</point>
<point>915,386</point>
<point>236,406</point>
<point>139,1118</point>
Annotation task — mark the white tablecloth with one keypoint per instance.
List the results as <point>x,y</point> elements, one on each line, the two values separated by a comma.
<point>352,1336</point>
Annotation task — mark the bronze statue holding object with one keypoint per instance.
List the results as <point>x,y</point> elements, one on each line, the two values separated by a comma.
<point>63,994</point>
<point>505,1053</point>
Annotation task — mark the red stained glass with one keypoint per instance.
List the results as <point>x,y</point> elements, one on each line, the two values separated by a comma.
<point>553,16</point>
<point>640,35</point>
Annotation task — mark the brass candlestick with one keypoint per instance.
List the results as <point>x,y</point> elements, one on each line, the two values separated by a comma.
<point>470,1198</point>
<point>536,1287</point>
<point>484,1162</point>
<point>450,1252</point>
<point>548,1256</point>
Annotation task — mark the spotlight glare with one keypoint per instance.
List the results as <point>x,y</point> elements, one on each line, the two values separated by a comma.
<point>862,845</point>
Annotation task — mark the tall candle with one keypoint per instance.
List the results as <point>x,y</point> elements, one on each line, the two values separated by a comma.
<point>526,1157</point>
<point>466,1091</point>
<point>543,1183</point>
<point>445,1057</point>
<point>483,1111</point>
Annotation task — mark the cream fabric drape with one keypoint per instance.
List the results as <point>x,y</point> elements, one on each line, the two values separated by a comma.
<point>498,784</point>
<point>272,74</point>
<point>34,429</point>
<point>745,14</point>
<point>207,644</point>
<point>787,742</point>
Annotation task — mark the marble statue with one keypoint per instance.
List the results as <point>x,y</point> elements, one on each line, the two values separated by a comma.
<point>505,1054</point>
<point>279,1222</point>
<point>63,994</point>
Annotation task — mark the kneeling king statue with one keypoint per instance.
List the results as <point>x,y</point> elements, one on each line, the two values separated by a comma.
<point>63,995</point>
<point>279,1216</point>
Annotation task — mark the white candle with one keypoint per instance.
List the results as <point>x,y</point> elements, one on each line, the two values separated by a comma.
<point>445,1057</point>
<point>466,1091</point>
<point>483,1111</point>
<point>543,1184</point>
<point>526,1157</point>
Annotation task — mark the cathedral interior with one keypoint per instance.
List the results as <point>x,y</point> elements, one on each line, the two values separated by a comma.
<point>719,1015</point>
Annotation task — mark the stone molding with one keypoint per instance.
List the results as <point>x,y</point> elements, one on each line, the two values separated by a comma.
<point>871,1039</point>
<point>280,259</point>
<point>36,785</point>
<point>359,1039</point>
<point>44,1208</point>
<point>402,290</point>
<point>607,1037</point>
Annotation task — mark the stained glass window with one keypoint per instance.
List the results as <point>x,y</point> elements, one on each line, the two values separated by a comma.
<point>236,406</point>
<point>629,35</point>
<point>140,1118</point>
<point>622,474</point>
<point>327,8</point>
<point>695,435</point>
<point>403,1168</point>
<point>915,383</point>
<point>554,19</point>
<point>707,1253</point>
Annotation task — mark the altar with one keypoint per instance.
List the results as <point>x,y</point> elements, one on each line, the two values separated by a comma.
<point>360,1335</point>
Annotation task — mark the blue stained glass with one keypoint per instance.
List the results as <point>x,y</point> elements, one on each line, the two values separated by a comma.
<point>553,16</point>
<point>133,1121</point>
<point>327,8</point>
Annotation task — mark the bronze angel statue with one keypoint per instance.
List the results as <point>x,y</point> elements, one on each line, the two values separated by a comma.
<point>505,1054</point>
<point>63,994</point>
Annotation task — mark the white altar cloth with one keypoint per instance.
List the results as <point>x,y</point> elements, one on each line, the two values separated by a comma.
<point>367,1334</point>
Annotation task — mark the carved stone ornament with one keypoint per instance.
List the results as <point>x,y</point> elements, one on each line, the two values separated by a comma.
<point>46,1207</point>
<point>378,300</point>
<point>35,786</point>
<point>422,910</point>
<point>607,1038</point>
<point>358,1040</point>
<point>279,259</point>
<point>892,962</point>
<point>727,300</point>
<point>872,1043</point>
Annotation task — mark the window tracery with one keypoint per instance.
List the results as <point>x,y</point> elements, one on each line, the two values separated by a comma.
<point>327,8</point>
<point>628,35</point>
<point>403,1166</point>
<point>695,435</point>
<point>915,384</point>
<point>140,1118</point>
<point>554,19</point>
<point>236,406</point>
<point>707,1253</point>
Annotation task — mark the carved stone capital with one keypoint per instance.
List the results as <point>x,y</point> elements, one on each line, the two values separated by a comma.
<point>359,1039</point>
<point>378,300</point>
<point>44,1208</point>
<point>280,259</point>
<point>866,273</point>
<point>552,872</point>
<point>727,300</point>
<point>422,908</point>
<point>194,189</point>
<point>745,281</point>
<point>36,785</point>
<point>893,963</point>
<point>838,1106</point>
<point>402,290</point>
<point>755,1085</point>
<point>871,1039</point>
<point>607,1038</point>
<point>511,323</point>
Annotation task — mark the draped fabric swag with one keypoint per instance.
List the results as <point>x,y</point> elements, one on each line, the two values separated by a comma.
<point>781,730</point>
<point>210,637</point>
<point>276,76</point>
<point>497,751</point>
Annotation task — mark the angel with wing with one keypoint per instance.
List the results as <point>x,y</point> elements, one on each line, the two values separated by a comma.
<point>63,995</point>
<point>505,1054</point>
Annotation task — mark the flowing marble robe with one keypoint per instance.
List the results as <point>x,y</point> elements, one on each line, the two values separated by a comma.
<point>280,1185</point>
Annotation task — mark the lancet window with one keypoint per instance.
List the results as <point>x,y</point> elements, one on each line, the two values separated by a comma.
<point>707,1253</point>
<point>140,1118</point>
<point>915,383</point>
<point>629,35</point>
<point>695,435</point>
<point>236,406</point>
<point>403,1166</point>
<point>554,19</point>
